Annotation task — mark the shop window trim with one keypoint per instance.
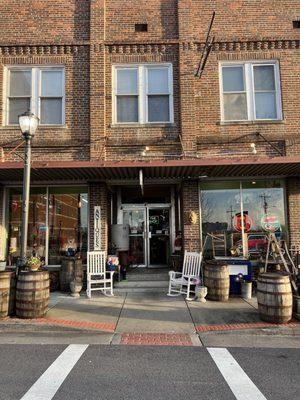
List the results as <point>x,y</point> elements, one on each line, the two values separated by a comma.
<point>248,74</point>
<point>36,91</point>
<point>142,80</point>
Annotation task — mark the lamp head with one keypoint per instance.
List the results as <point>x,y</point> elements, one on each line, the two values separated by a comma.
<point>28,123</point>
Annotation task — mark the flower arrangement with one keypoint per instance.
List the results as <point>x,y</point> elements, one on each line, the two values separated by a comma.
<point>112,263</point>
<point>33,263</point>
<point>196,281</point>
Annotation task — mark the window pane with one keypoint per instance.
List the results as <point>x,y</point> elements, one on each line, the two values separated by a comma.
<point>20,83</point>
<point>52,83</point>
<point>51,111</point>
<point>127,81</point>
<point>235,107</point>
<point>158,80</point>
<point>68,226</point>
<point>233,79</point>
<point>127,109</point>
<point>17,107</point>
<point>264,77</point>
<point>158,109</point>
<point>265,106</point>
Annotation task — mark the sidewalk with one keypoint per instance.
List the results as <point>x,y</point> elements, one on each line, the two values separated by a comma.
<point>156,319</point>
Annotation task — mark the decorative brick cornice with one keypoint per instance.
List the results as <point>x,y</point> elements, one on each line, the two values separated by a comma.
<point>246,45</point>
<point>140,49</point>
<point>39,50</point>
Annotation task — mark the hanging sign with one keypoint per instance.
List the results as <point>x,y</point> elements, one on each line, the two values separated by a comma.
<point>270,223</point>
<point>237,222</point>
<point>97,228</point>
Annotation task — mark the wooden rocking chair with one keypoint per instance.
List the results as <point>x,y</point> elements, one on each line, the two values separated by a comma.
<point>180,282</point>
<point>97,274</point>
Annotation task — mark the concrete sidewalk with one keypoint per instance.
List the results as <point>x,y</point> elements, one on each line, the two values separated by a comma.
<point>155,319</point>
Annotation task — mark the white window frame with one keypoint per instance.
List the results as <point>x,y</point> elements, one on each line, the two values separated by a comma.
<point>36,87</point>
<point>248,68</point>
<point>142,71</point>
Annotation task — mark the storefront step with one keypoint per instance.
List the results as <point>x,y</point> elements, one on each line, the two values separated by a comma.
<point>141,283</point>
<point>123,291</point>
<point>152,277</point>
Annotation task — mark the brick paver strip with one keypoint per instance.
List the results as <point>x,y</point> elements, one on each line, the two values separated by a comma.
<point>249,325</point>
<point>156,339</point>
<point>64,322</point>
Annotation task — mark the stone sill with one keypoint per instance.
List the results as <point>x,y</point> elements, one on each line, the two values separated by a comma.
<point>40,127</point>
<point>259,122</point>
<point>153,125</point>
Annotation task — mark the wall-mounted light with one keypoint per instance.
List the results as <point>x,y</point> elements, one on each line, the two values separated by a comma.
<point>253,147</point>
<point>144,152</point>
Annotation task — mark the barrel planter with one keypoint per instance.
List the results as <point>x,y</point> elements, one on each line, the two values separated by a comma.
<point>216,279</point>
<point>71,269</point>
<point>32,294</point>
<point>274,297</point>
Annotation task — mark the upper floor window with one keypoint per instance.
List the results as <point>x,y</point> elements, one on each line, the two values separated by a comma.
<point>250,91</point>
<point>38,89</point>
<point>143,94</point>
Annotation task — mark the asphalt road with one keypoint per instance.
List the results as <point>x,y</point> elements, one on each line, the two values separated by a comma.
<point>142,373</point>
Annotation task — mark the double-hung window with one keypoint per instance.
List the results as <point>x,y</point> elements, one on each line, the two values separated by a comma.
<point>38,89</point>
<point>143,94</point>
<point>250,91</point>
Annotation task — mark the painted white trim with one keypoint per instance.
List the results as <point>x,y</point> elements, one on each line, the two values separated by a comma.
<point>51,380</point>
<point>239,382</point>
<point>35,98</point>
<point>142,70</point>
<point>249,87</point>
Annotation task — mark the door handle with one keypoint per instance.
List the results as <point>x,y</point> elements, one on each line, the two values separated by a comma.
<point>150,235</point>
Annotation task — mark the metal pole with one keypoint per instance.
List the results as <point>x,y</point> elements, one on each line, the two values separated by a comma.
<point>25,201</point>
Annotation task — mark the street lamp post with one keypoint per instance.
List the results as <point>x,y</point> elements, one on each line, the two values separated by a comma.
<point>28,124</point>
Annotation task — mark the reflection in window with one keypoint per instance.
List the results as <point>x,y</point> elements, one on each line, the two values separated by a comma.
<point>221,208</point>
<point>36,242</point>
<point>68,228</point>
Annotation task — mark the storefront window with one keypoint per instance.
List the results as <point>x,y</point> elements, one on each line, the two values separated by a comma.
<point>67,223</point>
<point>36,242</point>
<point>68,228</point>
<point>232,227</point>
<point>220,202</point>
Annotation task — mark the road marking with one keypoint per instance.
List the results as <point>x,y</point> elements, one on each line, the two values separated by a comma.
<point>49,383</point>
<point>238,381</point>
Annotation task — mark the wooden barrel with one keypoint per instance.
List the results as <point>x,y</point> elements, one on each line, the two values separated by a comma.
<point>4,293</point>
<point>32,294</point>
<point>216,279</point>
<point>274,297</point>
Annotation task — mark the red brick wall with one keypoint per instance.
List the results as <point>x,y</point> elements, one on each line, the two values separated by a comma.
<point>293,200</point>
<point>44,22</point>
<point>190,203</point>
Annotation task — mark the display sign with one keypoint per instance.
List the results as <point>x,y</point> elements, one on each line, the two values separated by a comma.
<point>97,228</point>
<point>270,223</point>
<point>237,222</point>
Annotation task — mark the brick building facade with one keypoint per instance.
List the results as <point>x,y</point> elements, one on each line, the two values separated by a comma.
<point>169,147</point>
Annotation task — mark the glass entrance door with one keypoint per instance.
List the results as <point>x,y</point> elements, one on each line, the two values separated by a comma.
<point>158,236</point>
<point>135,217</point>
<point>149,234</point>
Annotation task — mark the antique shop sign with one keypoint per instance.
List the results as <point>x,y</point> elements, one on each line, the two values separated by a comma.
<point>97,228</point>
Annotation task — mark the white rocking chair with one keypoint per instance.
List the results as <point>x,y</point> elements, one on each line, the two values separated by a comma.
<point>97,274</point>
<point>180,282</point>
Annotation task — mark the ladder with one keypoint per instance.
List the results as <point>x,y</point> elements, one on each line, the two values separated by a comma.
<point>281,252</point>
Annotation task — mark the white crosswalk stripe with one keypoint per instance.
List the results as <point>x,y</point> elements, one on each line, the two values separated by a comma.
<point>51,380</point>
<point>239,382</point>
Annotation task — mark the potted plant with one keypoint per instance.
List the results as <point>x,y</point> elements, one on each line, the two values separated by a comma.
<point>246,286</point>
<point>200,291</point>
<point>33,263</point>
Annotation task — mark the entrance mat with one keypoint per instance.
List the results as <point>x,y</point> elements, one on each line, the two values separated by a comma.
<point>156,339</point>
<point>249,325</point>
<point>102,326</point>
